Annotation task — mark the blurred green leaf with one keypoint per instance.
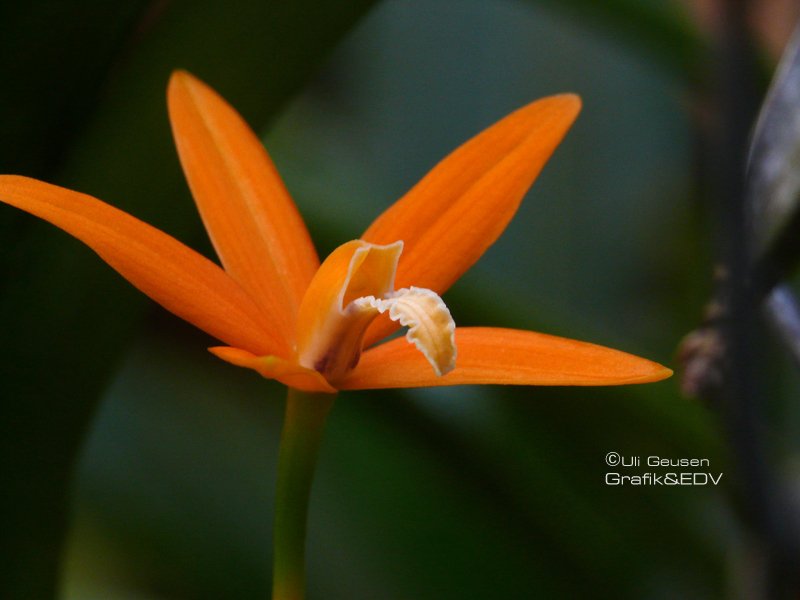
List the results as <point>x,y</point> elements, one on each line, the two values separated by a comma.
<point>66,316</point>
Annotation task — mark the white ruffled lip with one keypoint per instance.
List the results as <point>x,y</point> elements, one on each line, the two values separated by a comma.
<point>430,325</point>
<point>366,291</point>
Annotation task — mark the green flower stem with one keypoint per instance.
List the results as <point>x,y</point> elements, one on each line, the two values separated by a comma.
<point>303,427</point>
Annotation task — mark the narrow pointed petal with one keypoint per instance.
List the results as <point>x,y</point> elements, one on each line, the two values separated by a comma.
<point>274,367</point>
<point>504,356</point>
<point>255,227</point>
<point>175,276</point>
<point>449,219</point>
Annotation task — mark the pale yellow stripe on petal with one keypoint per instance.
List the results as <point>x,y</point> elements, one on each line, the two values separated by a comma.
<point>255,227</point>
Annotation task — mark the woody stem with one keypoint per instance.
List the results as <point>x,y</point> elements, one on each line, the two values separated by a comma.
<point>303,427</point>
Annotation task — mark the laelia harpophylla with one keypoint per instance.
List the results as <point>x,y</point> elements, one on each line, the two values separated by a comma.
<point>317,327</point>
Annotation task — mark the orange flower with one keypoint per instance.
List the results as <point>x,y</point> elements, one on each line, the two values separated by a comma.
<point>305,324</point>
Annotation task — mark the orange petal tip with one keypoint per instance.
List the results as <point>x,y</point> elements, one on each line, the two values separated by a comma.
<point>650,372</point>
<point>180,75</point>
<point>570,102</point>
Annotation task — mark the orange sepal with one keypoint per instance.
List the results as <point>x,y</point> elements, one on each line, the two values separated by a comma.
<point>255,227</point>
<point>449,219</point>
<point>274,367</point>
<point>503,356</point>
<point>181,280</point>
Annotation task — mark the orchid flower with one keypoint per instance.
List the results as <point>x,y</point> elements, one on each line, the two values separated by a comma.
<point>319,328</point>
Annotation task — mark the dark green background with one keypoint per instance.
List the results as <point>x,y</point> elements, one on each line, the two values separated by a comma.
<point>153,463</point>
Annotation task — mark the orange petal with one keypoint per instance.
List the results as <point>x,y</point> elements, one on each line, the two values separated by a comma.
<point>175,276</point>
<point>274,367</point>
<point>253,223</point>
<point>504,356</point>
<point>449,219</point>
